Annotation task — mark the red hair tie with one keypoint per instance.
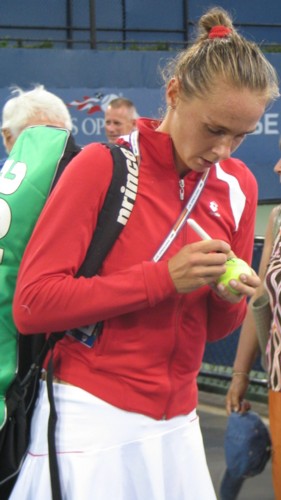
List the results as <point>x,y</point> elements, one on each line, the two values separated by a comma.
<point>219,32</point>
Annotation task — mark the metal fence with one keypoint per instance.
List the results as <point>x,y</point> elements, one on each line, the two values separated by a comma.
<point>118,35</point>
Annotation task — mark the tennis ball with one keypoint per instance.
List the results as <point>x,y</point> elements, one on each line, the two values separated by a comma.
<point>235,267</point>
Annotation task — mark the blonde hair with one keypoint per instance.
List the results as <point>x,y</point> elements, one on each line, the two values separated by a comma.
<point>230,58</point>
<point>119,102</point>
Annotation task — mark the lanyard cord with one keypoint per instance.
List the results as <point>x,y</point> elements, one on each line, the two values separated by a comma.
<point>182,218</point>
<point>187,209</point>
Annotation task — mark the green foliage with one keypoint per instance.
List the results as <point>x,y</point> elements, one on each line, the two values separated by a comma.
<point>152,46</point>
<point>20,44</point>
<point>271,48</point>
<point>127,45</point>
<point>4,44</point>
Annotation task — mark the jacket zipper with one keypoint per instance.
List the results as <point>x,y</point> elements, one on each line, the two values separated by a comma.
<point>181,186</point>
<point>179,305</point>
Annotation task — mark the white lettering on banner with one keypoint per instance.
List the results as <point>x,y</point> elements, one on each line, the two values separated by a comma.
<point>92,126</point>
<point>75,128</point>
<point>268,125</point>
<point>88,126</point>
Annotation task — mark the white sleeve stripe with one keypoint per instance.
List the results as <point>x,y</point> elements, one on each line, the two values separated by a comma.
<point>236,195</point>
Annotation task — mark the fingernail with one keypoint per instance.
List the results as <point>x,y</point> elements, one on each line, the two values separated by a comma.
<point>220,287</point>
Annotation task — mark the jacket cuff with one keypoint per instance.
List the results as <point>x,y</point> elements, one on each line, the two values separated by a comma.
<point>158,282</point>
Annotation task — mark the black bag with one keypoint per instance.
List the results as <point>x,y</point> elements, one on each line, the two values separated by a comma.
<point>13,443</point>
<point>20,400</point>
<point>22,394</point>
<point>12,437</point>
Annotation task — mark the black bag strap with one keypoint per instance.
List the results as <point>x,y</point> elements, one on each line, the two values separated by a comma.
<point>107,231</point>
<point>70,151</point>
<point>108,226</point>
<point>53,460</point>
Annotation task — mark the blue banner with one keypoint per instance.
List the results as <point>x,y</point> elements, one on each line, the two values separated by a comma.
<point>260,151</point>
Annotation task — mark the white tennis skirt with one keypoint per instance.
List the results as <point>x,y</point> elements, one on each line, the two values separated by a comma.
<point>105,453</point>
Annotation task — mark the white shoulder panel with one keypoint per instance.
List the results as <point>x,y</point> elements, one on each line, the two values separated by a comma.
<point>236,195</point>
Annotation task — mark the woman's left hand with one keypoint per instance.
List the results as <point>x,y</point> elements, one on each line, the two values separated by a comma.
<point>245,286</point>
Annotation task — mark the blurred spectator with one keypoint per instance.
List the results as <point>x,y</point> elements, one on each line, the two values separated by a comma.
<point>120,118</point>
<point>33,107</point>
<point>248,348</point>
<point>22,110</point>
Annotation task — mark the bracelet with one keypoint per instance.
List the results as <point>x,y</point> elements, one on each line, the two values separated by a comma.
<point>244,374</point>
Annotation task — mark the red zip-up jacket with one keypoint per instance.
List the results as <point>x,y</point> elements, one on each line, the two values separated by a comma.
<point>150,351</point>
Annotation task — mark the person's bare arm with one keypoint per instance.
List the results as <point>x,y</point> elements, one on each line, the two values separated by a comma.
<point>248,347</point>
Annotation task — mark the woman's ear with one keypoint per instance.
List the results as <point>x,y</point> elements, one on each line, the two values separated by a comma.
<point>172,93</point>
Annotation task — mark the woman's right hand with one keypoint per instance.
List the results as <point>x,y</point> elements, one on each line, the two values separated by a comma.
<point>198,264</point>
<point>235,395</point>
